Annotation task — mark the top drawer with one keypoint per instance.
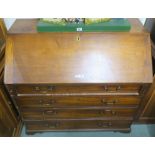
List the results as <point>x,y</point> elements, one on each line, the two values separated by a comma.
<point>96,89</point>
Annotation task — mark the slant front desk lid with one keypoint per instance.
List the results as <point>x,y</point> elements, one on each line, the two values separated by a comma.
<point>78,58</point>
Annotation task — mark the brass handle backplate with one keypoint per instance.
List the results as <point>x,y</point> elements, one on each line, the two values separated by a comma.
<point>103,112</point>
<point>44,89</point>
<point>108,102</point>
<point>50,112</point>
<point>104,124</point>
<point>106,88</point>
<point>53,125</point>
<point>47,103</point>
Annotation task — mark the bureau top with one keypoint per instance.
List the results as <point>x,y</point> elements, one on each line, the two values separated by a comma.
<point>78,58</point>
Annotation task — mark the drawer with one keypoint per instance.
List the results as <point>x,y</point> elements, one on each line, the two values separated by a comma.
<point>71,89</point>
<point>56,113</point>
<point>77,125</point>
<point>72,101</point>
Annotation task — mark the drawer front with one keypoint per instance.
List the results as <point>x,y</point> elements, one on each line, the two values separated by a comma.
<point>56,113</point>
<point>107,101</point>
<point>85,88</point>
<point>77,125</point>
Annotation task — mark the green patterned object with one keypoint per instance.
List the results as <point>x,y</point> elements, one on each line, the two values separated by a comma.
<point>57,21</point>
<point>113,25</point>
<point>96,20</point>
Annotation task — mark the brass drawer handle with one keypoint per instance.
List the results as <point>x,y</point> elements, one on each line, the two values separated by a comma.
<point>108,103</point>
<point>103,112</point>
<point>104,124</point>
<point>118,88</point>
<point>50,112</point>
<point>52,125</point>
<point>41,101</point>
<point>113,112</point>
<point>47,103</point>
<point>107,89</point>
<point>50,88</point>
<point>37,88</point>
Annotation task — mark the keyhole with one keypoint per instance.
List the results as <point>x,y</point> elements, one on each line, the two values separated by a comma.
<point>78,38</point>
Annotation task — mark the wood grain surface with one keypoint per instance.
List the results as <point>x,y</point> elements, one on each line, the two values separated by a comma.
<point>78,58</point>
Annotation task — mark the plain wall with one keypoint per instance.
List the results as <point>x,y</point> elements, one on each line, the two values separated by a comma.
<point>8,22</point>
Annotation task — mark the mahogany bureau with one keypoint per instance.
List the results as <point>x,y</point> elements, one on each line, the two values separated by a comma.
<point>78,81</point>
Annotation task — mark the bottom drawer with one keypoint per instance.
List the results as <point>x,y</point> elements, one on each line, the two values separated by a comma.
<point>77,125</point>
<point>56,113</point>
